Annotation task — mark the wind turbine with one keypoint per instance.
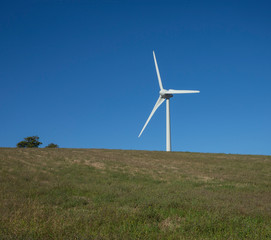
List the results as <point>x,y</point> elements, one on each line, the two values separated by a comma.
<point>164,95</point>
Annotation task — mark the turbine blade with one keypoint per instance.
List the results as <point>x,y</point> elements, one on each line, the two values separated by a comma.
<point>172,91</point>
<point>157,104</point>
<point>157,71</point>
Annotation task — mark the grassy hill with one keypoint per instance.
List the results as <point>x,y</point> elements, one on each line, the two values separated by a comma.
<point>115,194</point>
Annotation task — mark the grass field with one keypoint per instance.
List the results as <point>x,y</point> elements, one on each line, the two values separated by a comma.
<point>115,194</point>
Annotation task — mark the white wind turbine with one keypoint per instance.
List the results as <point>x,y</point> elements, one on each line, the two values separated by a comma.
<point>164,95</point>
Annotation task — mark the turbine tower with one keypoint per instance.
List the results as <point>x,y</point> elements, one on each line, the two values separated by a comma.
<point>164,95</point>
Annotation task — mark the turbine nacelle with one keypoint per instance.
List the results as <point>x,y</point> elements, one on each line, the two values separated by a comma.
<point>165,94</point>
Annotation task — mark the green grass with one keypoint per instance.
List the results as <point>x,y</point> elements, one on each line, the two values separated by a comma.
<point>114,194</point>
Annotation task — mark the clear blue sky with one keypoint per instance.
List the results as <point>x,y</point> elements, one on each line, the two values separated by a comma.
<point>81,74</point>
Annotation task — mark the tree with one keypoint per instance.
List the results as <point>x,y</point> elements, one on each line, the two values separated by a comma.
<point>29,142</point>
<point>52,145</point>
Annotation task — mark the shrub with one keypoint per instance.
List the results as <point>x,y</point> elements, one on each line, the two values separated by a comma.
<point>52,145</point>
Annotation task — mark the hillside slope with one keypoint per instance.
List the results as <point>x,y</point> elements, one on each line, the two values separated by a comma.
<point>117,194</point>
